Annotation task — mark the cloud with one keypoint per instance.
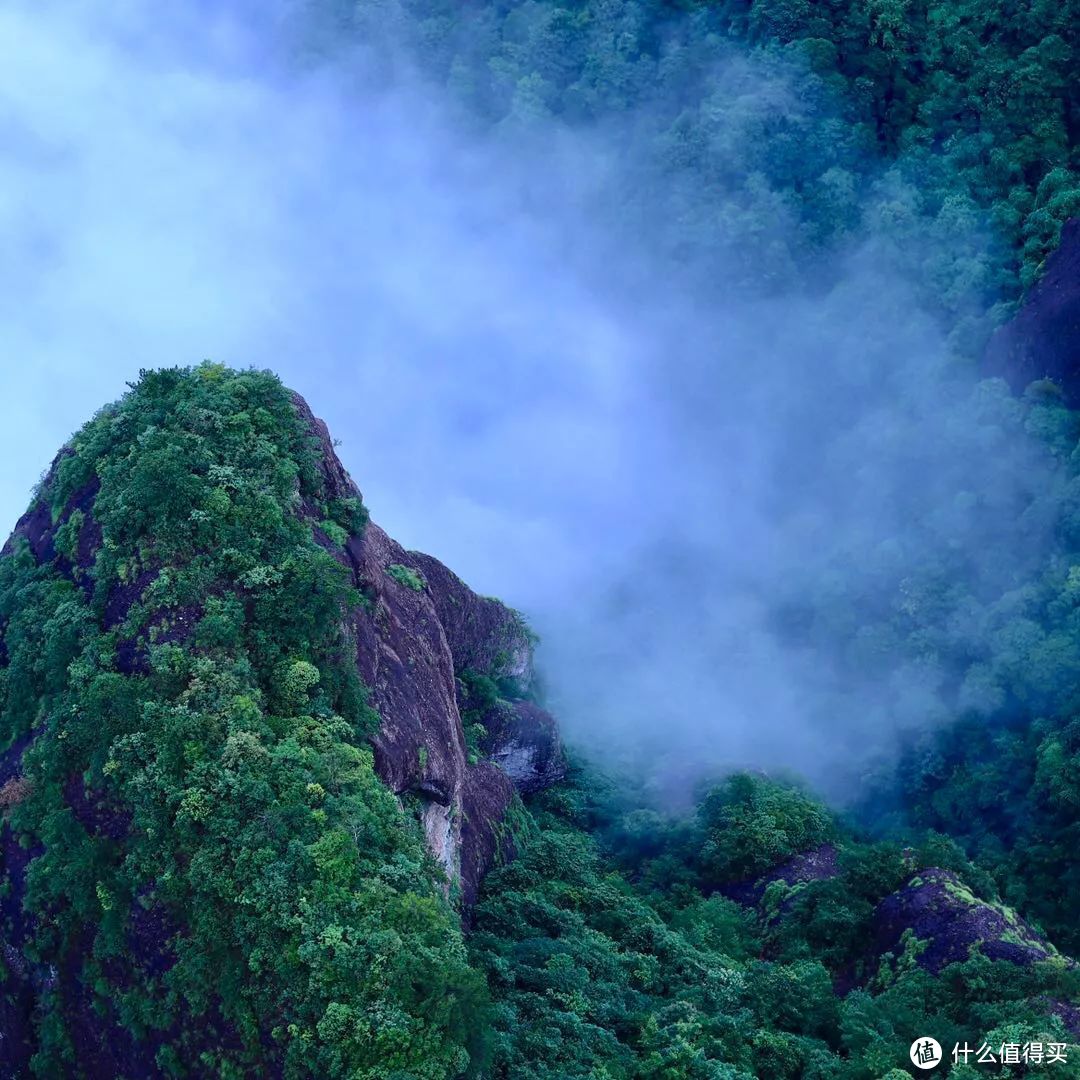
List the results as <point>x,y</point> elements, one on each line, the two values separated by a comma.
<point>526,383</point>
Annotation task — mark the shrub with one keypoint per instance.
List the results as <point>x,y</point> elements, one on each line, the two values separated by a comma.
<point>407,576</point>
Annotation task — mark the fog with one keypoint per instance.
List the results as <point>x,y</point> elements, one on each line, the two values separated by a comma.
<point>661,470</point>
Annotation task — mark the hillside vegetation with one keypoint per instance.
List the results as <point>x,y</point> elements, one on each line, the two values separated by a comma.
<point>203,874</point>
<point>211,853</point>
<point>225,887</point>
<point>762,133</point>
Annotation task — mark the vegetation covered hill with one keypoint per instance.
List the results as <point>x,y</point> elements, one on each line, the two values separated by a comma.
<point>204,874</point>
<point>207,873</point>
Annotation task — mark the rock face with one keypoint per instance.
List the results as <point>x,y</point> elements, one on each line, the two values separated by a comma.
<point>420,634</point>
<point>523,741</point>
<point>1043,340</point>
<point>934,914</point>
<point>818,864</point>
<point>416,634</point>
<point>950,921</point>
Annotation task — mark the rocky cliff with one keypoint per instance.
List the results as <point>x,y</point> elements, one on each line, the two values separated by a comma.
<point>419,631</point>
<point>207,654</point>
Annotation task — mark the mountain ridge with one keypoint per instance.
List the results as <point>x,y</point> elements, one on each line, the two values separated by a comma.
<point>234,736</point>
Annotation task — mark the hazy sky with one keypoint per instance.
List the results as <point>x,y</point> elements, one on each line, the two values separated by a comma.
<point>170,201</point>
<point>643,475</point>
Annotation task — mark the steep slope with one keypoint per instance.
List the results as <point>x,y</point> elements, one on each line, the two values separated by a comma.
<point>419,631</point>
<point>761,939</point>
<point>224,694</point>
<point>1043,340</point>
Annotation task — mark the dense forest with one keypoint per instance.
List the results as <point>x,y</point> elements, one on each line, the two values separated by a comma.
<point>235,888</point>
<point>951,127</point>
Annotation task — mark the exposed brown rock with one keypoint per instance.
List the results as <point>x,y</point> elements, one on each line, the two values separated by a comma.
<point>411,644</point>
<point>817,864</point>
<point>950,922</point>
<point>523,740</point>
<point>482,634</point>
<point>485,838</point>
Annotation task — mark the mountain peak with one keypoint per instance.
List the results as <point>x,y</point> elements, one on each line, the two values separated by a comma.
<point>227,692</point>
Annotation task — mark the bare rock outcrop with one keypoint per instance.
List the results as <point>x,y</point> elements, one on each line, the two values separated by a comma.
<point>949,922</point>
<point>817,864</point>
<point>420,628</point>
